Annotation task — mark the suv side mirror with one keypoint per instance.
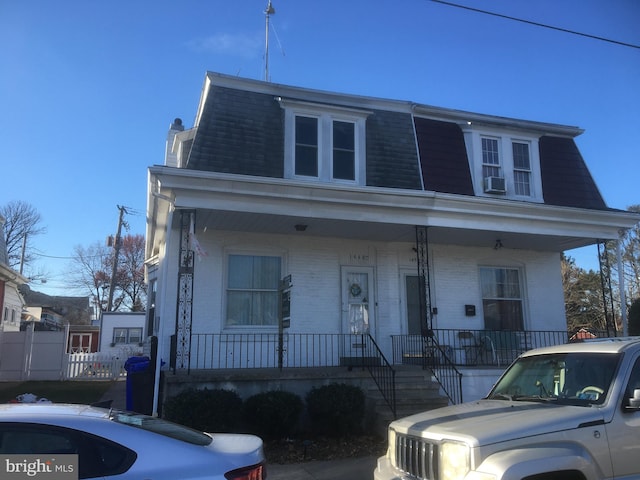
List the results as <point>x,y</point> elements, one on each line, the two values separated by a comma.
<point>634,402</point>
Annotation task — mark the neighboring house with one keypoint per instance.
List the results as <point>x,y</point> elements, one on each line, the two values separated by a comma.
<point>121,334</point>
<point>11,301</point>
<point>83,339</point>
<point>51,312</point>
<point>373,227</point>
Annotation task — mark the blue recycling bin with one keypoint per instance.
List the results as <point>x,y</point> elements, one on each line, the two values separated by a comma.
<point>139,384</point>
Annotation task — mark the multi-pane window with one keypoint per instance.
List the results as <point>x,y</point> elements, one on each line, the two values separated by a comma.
<point>521,169</point>
<point>252,290</point>
<point>135,335</point>
<point>310,135</point>
<point>306,163</point>
<point>501,298</point>
<point>123,336</point>
<point>490,158</point>
<point>344,151</point>
<point>505,163</point>
<point>324,143</point>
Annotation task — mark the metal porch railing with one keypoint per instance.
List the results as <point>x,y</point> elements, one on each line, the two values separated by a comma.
<point>299,350</point>
<point>472,348</point>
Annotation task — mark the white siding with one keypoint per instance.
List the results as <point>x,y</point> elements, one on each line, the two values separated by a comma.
<point>120,320</point>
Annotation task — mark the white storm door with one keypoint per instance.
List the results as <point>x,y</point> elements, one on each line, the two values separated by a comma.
<point>358,300</point>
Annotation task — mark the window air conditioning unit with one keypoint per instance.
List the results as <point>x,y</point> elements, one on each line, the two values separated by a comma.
<point>494,185</point>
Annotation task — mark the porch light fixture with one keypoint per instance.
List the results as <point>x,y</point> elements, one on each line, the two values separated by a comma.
<point>300,227</point>
<point>498,245</point>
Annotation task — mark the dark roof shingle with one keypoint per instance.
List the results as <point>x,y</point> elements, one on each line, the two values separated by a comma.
<point>443,156</point>
<point>566,180</point>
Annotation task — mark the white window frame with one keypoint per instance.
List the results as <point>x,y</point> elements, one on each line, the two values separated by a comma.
<point>326,115</point>
<point>491,165</point>
<point>250,253</point>
<point>127,336</point>
<point>521,286</point>
<point>473,140</point>
<point>520,169</point>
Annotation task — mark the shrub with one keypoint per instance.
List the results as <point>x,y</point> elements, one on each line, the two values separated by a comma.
<point>215,410</point>
<point>336,409</point>
<point>273,414</point>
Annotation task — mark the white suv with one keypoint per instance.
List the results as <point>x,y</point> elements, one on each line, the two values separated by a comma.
<point>569,412</point>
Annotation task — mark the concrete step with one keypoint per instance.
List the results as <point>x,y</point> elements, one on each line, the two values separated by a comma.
<point>416,391</point>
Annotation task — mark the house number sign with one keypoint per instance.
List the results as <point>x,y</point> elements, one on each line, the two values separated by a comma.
<point>359,259</point>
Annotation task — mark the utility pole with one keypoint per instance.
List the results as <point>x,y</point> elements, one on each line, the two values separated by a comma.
<point>116,252</point>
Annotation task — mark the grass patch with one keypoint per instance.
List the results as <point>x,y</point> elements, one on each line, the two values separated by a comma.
<point>57,392</point>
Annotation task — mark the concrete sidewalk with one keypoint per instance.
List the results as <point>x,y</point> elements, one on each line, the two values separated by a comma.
<point>117,393</point>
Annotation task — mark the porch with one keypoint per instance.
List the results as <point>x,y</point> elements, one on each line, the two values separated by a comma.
<point>457,347</point>
<point>447,354</point>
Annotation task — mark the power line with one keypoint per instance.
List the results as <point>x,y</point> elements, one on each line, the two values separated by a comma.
<point>537,24</point>
<point>36,254</point>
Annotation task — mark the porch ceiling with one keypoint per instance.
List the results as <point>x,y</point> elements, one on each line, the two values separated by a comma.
<point>376,231</point>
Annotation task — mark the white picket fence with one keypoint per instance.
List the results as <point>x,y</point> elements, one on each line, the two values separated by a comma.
<point>92,366</point>
<point>31,355</point>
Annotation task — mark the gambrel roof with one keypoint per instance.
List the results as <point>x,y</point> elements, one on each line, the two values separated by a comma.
<point>240,130</point>
<point>416,165</point>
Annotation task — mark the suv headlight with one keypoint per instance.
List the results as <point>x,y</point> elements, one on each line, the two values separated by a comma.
<point>454,460</point>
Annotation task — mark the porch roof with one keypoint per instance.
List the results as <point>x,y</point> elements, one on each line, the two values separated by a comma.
<point>271,205</point>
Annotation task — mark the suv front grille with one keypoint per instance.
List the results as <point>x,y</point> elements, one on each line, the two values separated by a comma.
<point>417,457</point>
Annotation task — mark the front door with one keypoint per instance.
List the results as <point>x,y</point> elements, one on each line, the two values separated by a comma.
<point>415,323</point>
<point>357,315</point>
<point>357,299</point>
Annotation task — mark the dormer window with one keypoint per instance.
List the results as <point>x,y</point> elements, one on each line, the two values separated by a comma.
<point>490,158</point>
<point>324,143</point>
<point>521,169</point>
<point>503,163</point>
<point>306,155</point>
<point>344,151</point>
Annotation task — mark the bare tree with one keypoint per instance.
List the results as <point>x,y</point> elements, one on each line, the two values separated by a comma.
<point>630,256</point>
<point>92,272</point>
<point>22,223</point>
<point>583,297</point>
<point>630,245</point>
<point>131,273</point>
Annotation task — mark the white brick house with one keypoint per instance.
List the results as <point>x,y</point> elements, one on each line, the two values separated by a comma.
<point>396,221</point>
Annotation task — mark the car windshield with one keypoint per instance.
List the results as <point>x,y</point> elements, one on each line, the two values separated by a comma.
<point>573,378</point>
<point>161,427</point>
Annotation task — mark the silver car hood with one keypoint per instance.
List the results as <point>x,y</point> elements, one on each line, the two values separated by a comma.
<point>490,421</point>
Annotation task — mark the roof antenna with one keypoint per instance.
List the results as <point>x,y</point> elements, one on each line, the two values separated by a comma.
<point>269,11</point>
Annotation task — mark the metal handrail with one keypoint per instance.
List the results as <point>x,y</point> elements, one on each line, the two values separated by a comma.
<point>383,374</point>
<point>444,370</point>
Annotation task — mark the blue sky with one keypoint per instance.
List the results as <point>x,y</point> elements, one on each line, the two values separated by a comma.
<point>89,88</point>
